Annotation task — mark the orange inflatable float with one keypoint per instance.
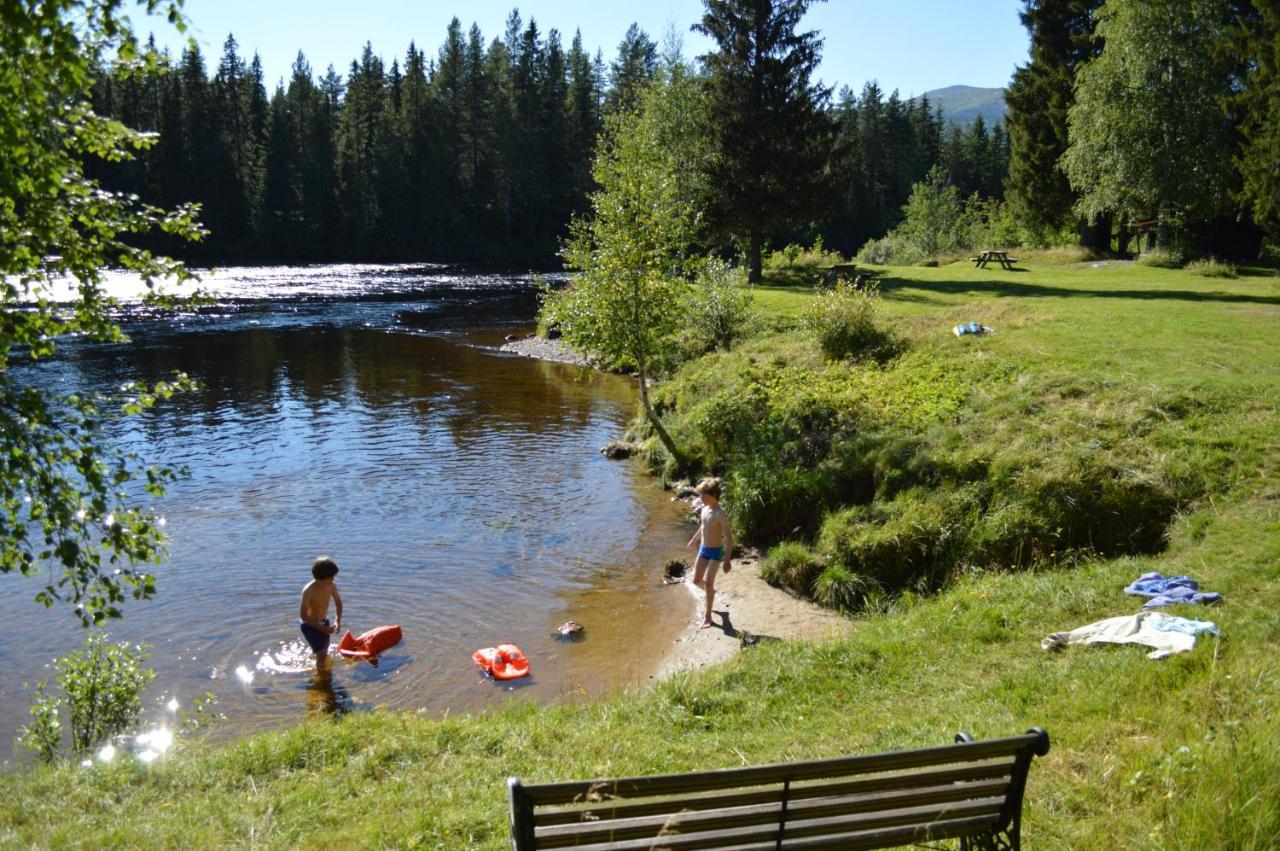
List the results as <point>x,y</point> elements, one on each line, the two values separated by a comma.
<point>369,645</point>
<point>504,662</point>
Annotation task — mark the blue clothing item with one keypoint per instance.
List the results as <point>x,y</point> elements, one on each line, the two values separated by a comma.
<point>318,640</point>
<point>1182,595</point>
<point>1172,623</point>
<point>1165,591</point>
<point>967,328</point>
<point>711,553</point>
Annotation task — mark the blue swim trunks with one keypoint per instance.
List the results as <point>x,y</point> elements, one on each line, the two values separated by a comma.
<point>711,553</point>
<point>318,640</point>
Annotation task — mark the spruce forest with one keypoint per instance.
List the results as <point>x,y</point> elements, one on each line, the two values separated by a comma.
<point>481,152</point>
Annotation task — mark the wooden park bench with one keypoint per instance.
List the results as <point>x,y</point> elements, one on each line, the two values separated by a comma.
<point>992,256</point>
<point>969,790</point>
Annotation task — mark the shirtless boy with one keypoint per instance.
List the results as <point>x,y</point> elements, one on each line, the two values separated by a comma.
<point>313,613</point>
<point>715,543</point>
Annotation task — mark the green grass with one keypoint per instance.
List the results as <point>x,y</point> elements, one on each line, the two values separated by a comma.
<point>1151,381</point>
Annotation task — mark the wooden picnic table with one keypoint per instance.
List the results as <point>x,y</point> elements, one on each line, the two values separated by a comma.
<point>994,256</point>
<point>846,271</point>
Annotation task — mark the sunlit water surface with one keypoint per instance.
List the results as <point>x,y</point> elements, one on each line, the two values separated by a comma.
<point>364,412</point>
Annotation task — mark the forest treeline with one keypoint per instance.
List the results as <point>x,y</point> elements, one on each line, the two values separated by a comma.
<point>480,152</point>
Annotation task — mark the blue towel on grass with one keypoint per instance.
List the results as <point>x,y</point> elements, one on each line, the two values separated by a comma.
<point>1165,591</point>
<point>965,328</point>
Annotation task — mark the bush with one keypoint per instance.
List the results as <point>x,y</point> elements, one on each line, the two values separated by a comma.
<point>797,266</point>
<point>719,306</point>
<point>892,250</point>
<point>44,734</point>
<point>910,541</point>
<point>1158,259</point>
<point>840,588</point>
<point>102,687</point>
<point>792,565</point>
<point>770,503</point>
<point>784,256</point>
<point>794,255</point>
<point>1212,269</point>
<point>843,321</point>
<point>934,218</point>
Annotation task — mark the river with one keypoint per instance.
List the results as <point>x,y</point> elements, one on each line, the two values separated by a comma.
<point>365,412</point>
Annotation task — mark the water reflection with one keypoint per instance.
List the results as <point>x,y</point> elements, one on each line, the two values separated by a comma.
<point>326,698</point>
<point>460,490</point>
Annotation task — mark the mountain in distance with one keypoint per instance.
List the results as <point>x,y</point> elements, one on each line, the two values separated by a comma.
<point>962,104</point>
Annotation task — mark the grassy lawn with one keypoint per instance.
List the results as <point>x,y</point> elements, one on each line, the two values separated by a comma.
<point>1160,382</point>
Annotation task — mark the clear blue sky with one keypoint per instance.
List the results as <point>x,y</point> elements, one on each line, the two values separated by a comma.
<point>910,45</point>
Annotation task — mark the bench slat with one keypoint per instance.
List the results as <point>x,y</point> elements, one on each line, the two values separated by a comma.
<point>918,819</point>
<point>894,837</point>
<point>810,789</point>
<point>693,822</point>
<point>670,784</point>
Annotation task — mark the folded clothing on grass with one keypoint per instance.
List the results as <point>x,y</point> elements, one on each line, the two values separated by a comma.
<point>1165,591</point>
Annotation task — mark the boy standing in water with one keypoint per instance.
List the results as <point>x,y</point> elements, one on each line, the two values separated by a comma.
<point>716,543</point>
<point>313,613</point>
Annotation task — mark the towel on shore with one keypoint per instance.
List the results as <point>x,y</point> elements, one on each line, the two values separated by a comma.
<point>1165,591</point>
<point>1166,633</point>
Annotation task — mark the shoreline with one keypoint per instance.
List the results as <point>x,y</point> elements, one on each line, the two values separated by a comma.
<point>747,610</point>
<point>540,348</point>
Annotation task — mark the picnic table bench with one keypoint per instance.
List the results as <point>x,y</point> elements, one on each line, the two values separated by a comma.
<point>989,256</point>
<point>846,271</point>
<point>968,790</point>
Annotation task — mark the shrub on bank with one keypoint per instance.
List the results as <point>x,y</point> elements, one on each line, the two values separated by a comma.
<point>903,474</point>
<point>837,587</point>
<point>792,565</point>
<point>843,321</point>
<point>718,308</point>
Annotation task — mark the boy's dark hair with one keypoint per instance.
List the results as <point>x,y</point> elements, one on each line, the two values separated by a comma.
<point>324,568</point>
<point>708,486</point>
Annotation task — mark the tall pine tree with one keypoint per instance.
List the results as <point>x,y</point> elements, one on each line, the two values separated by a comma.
<point>1062,38</point>
<point>770,133</point>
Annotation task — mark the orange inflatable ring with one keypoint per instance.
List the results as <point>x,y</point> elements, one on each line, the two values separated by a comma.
<point>369,645</point>
<point>504,662</point>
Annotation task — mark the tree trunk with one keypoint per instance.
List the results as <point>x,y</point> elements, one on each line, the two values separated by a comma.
<point>659,429</point>
<point>754,250</point>
<point>1123,237</point>
<point>1095,235</point>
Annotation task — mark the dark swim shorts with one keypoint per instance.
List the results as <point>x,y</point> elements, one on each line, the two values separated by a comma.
<point>318,640</point>
<point>711,553</point>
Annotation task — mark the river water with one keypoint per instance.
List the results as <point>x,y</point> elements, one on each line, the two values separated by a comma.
<point>365,412</point>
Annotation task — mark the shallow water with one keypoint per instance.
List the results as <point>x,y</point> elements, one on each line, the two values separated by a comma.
<point>364,412</point>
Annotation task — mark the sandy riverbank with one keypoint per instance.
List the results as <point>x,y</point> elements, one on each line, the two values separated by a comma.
<point>746,607</point>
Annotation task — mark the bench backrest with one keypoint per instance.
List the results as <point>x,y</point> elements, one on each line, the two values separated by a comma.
<point>880,801</point>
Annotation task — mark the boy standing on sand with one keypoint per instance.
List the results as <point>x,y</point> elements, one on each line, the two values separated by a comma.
<point>716,543</point>
<point>313,613</point>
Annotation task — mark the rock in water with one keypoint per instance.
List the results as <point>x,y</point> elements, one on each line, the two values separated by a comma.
<point>569,629</point>
<point>618,449</point>
<point>674,571</point>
